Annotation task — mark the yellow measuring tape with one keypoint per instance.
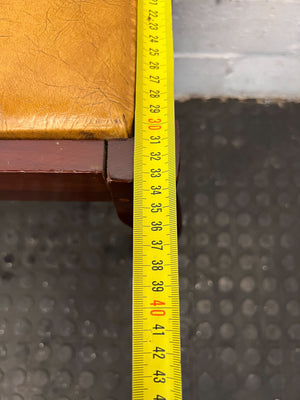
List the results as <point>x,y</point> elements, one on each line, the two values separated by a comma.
<point>156,323</point>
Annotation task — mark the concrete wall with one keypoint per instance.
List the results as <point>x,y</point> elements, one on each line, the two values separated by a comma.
<point>232,48</point>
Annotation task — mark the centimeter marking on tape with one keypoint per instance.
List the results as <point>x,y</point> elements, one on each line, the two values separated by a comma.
<point>156,322</point>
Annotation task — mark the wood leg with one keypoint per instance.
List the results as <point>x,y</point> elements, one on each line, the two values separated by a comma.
<point>119,176</point>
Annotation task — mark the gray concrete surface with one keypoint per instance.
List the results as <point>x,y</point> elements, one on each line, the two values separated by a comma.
<point>232,48</point>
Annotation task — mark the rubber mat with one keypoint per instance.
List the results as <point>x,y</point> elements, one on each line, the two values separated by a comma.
<point>239,250</point>
<point>65,302</point>
<point>65,272</point>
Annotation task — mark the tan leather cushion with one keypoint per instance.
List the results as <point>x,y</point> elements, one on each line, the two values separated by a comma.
<point>67,68</point>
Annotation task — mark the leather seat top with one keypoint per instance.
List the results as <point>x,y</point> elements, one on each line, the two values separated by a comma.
<point>67,69</point>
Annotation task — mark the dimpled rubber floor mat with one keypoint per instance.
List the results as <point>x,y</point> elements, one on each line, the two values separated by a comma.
<point>65,272</point>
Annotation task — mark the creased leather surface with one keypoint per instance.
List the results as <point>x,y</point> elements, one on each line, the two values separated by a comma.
<point>67,68</point>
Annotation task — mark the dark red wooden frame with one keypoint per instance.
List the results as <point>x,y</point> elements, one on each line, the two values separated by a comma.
<point>80,170</point>
<point>52,170</point>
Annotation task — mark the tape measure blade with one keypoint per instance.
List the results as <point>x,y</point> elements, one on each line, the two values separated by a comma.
<point>156,323</point>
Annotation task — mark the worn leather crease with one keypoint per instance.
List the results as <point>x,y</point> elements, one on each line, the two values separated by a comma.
<point>67,69</point>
